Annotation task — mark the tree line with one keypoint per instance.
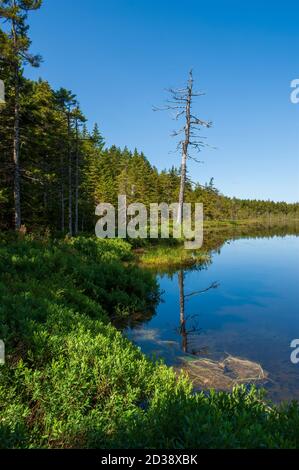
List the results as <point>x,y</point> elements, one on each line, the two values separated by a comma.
<point>54,170</point>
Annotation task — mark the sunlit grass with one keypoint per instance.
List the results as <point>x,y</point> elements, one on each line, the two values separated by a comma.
<point>171,256</point>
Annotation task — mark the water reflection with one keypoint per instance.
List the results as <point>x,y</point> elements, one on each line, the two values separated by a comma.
<point>189,326</point>
<point>252,314</point>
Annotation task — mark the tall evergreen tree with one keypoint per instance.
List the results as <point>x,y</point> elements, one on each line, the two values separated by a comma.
<point>15,46</point>
<point>67,102</point>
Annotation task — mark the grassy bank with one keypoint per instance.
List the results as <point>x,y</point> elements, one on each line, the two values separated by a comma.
<point>170,253</point>
<point>72,380</point>
<point>172,257</point>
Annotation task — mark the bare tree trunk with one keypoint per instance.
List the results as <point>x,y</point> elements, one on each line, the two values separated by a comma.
<point>70,177</point>
<point>185,146</point>
<point>77,184</point>
<point>62,195</point>
<point>16,154</point>
<point>16,137</point>
<point>45,185</point>
<point>182,185</point>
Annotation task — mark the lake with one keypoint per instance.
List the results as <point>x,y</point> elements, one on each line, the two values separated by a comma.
<point>244,303</point>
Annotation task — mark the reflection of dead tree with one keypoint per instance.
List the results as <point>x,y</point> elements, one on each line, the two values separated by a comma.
<point>184,332</point>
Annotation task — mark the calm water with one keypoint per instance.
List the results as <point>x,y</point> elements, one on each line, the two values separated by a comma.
<point>252,312</point>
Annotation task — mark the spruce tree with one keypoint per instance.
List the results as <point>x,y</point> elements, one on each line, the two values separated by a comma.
<point>15,46</point>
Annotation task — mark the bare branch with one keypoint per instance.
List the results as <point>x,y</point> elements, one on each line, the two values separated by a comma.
<point>166,108</point>
<point>196,121</point>
<point>179,114</point>
<point>214,285</point>
<point>195,159</point>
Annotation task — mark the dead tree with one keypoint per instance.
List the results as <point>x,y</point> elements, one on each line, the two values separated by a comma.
<point>181,102</point>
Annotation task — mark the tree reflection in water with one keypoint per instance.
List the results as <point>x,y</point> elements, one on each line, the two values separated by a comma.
<point>188,332</point>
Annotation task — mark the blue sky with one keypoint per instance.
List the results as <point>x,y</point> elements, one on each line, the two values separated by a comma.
<point>118,56</point>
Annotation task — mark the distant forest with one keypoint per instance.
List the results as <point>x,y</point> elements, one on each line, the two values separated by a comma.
<point>54,171</point>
